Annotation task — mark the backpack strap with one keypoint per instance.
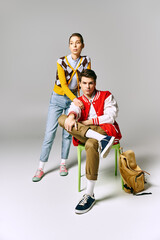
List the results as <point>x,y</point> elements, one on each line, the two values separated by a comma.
<point>128,188</point>
<point>140,194</point>
<point>136,194</point>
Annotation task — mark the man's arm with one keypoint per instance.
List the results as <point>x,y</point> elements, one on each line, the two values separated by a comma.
<point>70,122</point>
<point>110,112</point>
<point>87,122</point>
<point>75,110</point>
<point>74,113</point>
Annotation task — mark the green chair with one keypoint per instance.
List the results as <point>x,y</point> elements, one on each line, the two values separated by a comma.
<point>81,147</point>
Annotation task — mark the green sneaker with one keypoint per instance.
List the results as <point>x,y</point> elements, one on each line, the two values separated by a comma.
<point>63,170</point>
<point>38,176</point>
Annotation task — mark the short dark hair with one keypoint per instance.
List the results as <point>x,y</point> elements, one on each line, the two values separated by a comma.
<point>89,74</point>
<point>77,35</point>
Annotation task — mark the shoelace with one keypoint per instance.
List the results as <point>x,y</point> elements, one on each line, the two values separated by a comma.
<point>84,200</point>
<point>38,172</point>
<point>63,167</point>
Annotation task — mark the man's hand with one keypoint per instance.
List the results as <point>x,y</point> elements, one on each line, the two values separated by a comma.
<point>78,103</point>
<point>87,122</point>
<point>70,122</point>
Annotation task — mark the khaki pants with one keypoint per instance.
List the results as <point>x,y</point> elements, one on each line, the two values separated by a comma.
<point>91,146</point>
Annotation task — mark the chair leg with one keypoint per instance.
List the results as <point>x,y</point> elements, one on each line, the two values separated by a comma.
<point>79,169</point>
<point>122,183</point>
<point>116,159</point>
<point>115,162</point>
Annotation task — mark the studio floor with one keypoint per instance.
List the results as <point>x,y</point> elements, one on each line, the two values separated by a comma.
<point>45,210</point>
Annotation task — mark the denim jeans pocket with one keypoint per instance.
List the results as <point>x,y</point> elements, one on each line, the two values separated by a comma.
<point>53,97</point>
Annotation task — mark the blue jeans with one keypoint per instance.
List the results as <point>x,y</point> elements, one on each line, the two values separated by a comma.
<point>58,105</point>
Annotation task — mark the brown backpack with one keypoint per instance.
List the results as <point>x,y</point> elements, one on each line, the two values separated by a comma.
<point>132,174</point>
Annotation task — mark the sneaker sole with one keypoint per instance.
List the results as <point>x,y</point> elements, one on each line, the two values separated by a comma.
<point>63,174</point>
<point>84,211</point>
<point>107,149</point>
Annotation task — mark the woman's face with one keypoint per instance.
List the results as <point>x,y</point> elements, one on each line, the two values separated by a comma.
<point>75,46</point>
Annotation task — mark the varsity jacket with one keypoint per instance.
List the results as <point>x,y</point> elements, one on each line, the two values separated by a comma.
<point>65,74</point>
<point>106,109</point>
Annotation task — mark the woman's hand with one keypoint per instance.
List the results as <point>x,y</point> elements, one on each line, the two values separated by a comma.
<point>78,103</point>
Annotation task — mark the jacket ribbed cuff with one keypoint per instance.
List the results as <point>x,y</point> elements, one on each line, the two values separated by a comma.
<point>95,121</point>
<point>73,113</point>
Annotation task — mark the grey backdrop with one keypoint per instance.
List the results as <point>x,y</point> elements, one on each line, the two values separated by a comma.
<point>121,37</point>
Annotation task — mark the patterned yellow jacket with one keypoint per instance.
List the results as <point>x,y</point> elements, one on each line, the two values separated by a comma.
<point>65,74</point>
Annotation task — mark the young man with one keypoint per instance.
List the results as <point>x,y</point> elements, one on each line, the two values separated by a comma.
<point>94,126</point>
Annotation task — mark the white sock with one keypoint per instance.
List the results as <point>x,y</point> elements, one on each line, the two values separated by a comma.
<point>93,134</point>
<point>41,165</point>
<point>63,161</point>
<point>90,187</point>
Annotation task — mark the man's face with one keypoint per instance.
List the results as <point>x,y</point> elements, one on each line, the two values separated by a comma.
<point>88,86</point>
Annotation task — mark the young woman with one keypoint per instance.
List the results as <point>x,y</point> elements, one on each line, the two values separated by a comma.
<point>65,91</point>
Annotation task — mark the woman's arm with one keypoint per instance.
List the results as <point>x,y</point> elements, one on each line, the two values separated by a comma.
<point>89,65</point>
<point>64,85</point>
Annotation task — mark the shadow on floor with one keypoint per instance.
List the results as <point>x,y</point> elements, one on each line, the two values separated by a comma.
<point>52,170</point>
<point>70,163</point>
<point>107,197</point>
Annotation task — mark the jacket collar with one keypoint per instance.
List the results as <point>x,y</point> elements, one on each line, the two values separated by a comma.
<point>96,95</point>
